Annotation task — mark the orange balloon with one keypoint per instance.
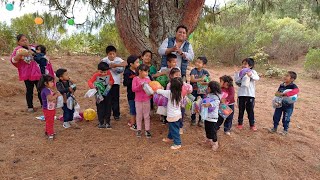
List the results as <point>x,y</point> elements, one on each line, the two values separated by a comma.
<point>38,20</point>
<point>155,85</point>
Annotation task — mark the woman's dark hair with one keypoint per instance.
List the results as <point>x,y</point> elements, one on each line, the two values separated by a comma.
<point>131,59</point>
<point>44,79</point>
<point>176,88</point>
<point>145,52</point>
<point>182,26</point>
<point>103,66</point>
<point>227,79</point>
<point>42,49</point>
<point>214,88</point>
<point>250,62</point>
<point>173,71</point>
<point>143,67</point>
<point>19,36</point>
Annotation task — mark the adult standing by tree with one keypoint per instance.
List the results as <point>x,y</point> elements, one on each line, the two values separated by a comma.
<point>179,46</point>
<point>28,70</point>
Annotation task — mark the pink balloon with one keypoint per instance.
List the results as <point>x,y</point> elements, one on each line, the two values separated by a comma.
<point>224,95</point>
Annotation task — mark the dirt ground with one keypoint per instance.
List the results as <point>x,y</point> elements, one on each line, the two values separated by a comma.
<point>92,153</point>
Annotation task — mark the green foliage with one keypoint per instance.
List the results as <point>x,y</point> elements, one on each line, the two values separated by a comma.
<point>275,72</point>
<point>312,63</point>
<point>6,38</point>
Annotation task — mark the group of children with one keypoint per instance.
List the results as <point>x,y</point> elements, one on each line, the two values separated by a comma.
<point>137,73</point>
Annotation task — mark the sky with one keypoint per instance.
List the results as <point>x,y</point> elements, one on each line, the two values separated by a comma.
<point>80,13</point>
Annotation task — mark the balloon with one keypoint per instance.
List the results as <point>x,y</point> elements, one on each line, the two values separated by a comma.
<point>290,99</point>
<point>224,95</point>
<point>243,72</point>
<point>163,80</point>
<point>21,50</point>
<point>38,20</point>
<point>186,89</point>
<point>89,114</point>
<point>9,7</point>
<point>155,85</point>
<point>160,100</point>
<point>70,22</point>
<point>191,36</point>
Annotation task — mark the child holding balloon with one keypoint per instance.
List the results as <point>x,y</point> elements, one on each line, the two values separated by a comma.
<point>142,100</point>
<point>226,83</point>
<point>214,95</point>
<point>286,89</point>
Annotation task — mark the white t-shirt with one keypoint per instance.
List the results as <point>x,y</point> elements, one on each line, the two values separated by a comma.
<point>249,90</point>
<point>117,60</point>
<point>173,110</point>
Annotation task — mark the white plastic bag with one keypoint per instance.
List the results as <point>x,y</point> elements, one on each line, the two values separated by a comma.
<point>59,102</point>
<point>204,113</point>
<point>76,114</point>
<point>90,93</point>
<point>147,89</point>
<point>71,102</point>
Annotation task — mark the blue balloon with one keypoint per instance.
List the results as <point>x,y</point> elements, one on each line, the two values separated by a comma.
<point>9,7</point>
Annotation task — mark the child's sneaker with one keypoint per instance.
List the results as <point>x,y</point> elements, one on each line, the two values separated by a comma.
<point>181,131</point>
<point>253,128</point>
<point>283,133</point>
<point>148,134</point>
<point>193,122</point>
<point>117,118</point>
<point>139,133</point>
<point>215,146</point>
<point>200,123</point>
<point>272,130</point>
<point>174,147</point>
<point>51,137</point>
<point>31,110</point>
<point>101,126</point>
<point>108,126</point>
<point>167,140</point>
<point>240,126</point>
<point>133,127</point>
<point>227,133</point>
<point>66,125</point>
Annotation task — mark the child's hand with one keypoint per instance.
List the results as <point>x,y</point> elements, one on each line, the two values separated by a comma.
<point>249,73</point>
<point>206,105</point>
<point>279,94</point>
<point>112,65</point>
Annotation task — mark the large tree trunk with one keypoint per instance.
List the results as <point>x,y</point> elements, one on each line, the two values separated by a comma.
<point>164,17</point>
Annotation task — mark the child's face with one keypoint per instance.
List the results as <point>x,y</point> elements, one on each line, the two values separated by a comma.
<point>65,77</point>
<point>112,55</point>
<point>146,58</point>
<point>136,64</point>
<point>103,73</point>
<point>38,50</point>
<point>176,74</point>
<point>245,65</point>
<point>143,74</point>
<point>199,64</point>
<point>50,84</point>
<point>172,63</point>
<point>287,78</point>
<point>223,84</point>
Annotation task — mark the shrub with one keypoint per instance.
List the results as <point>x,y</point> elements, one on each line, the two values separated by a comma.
<point>275,72</point>
<point>312,63</point>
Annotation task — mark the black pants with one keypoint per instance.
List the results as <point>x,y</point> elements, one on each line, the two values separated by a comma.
<point>67,113</point>
<point>29,94</point>
<point>115,97</point>
<point>211,131</point>
<point>246,103</point>
<point>104,110</point>
<point>193,116</point>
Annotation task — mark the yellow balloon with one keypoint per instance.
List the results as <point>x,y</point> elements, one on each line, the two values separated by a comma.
<point>38,20</point>
<point>89,114</point>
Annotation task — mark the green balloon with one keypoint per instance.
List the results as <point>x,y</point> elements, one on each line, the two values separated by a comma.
<point>9,7</point>
<point>163,80</point>
<point>70,21</point>
<point>191,36</point>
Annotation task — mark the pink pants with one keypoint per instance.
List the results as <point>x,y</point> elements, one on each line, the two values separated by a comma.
<point>143,112</point>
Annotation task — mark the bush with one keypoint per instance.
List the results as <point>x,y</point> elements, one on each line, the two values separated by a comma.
<point>275,72</point>
<point>312,63</point>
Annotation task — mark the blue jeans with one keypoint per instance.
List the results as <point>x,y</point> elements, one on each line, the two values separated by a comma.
<point>132,107</point>
<point>287,112</point>
<point>183,111</point>
<point>67,113</point>
<point>174,132</point>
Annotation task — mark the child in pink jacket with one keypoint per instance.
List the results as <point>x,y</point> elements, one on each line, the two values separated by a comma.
<point>142,100</point>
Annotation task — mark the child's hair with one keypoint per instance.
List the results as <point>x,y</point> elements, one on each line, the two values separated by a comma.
<point>227,79</point>
<point>145,52</point>
<point>173,71</point>
<point>183,27</point>
<point>60,72</point>
<point>250,62</point>
<point>44,79</point>
<point>203,59</point>
<point>42,49</point>
<point>143,67</point>
<point>171,56</point>
<point>102,66</point>
<point>176,88</point>
<point>110,48</point>
<point>293,75</point>
<point>19,36</point>
<point>131,59</point>
<point>214,87</point>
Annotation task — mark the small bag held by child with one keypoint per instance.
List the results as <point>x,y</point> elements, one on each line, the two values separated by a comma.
<point>224,110</point>
<point>147,89</point>
<point>71,102</point>
<point>59,102</point>
<point>277,102</point>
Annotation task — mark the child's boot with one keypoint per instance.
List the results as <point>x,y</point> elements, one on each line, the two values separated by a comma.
<point>215,146</point>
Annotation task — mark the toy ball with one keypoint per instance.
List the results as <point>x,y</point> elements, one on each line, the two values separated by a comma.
<point>186,89</point>
<point>117,70</point>
<point>160,100</point>
<point>21,50</point>
<point>289,99</point>
<point>243,72</point>
<point>70,22</point>
<point>155,85</point>
<point>38,20</point>
<point>9,7</point>
<point>163,80</point>
<point>89,114</point>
